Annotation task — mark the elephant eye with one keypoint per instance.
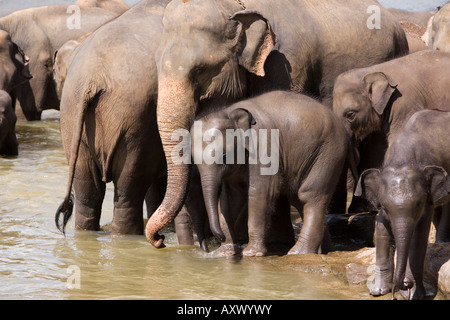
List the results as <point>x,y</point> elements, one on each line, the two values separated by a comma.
<point>350,115</point>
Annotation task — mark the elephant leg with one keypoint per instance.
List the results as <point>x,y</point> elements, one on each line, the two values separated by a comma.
<point>281,235</point>
<point>384,266</point>
<point>312,231</point>
<point>89,193</point>
<point>131,183</point>
<point>443,226</point>
<point>260,199</point>
<point>155,195</point>
<point>183,228</point>
<point>414,271</point>
<point>128,207</point>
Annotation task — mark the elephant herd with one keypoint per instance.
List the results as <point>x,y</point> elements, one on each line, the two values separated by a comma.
<point>224,114</point>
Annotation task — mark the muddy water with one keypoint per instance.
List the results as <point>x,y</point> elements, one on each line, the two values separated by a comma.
<point>38,262</point>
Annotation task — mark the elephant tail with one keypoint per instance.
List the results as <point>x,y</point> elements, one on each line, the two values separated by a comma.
<point>66,207</point>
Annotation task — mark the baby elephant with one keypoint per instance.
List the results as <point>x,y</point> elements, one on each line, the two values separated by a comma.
<point>291,147</point>
<point>411,186</point>
<point>8,139</point>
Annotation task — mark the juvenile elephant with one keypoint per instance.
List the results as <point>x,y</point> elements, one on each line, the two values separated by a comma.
<point>296,148</point>
<point>117,6</point>
<point>439,30</point>
<point>213,53</point>
<point>374,103</point>
<point>40,32</point>
<point>8,139</point>
<point>61,62</point>
<point>407,190</point>
<point>108,121</point>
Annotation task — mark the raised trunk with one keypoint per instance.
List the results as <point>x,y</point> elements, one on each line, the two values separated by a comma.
<point>176,110</point>
<point>403,231</point>
<point>211,189</point>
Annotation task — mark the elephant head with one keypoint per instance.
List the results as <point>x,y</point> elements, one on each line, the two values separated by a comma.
<point>15,75</point>
<point>439,31</point>
<point>207,47</point>
<point>220,152</point>
<point>361,102</point>
<point>404,196</point>
<point>13,64</point>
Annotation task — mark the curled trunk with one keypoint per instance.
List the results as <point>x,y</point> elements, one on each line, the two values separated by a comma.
<point>176,110</point>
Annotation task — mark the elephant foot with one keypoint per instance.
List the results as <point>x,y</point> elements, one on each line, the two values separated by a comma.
<point>301,249</point>
<point>380,285</point>
<point>228,250</point>
<point>254,250</point>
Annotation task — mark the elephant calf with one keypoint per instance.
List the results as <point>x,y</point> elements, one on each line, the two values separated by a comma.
<point>308,148</point>
<point>410,187</point>
<point>8,139</point>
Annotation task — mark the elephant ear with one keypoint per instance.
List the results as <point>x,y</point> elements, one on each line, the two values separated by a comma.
<point>439,185</point>
<point>256,40</point>
<point>368,185</point>
<point>380,88</point>
<point>243,119</point>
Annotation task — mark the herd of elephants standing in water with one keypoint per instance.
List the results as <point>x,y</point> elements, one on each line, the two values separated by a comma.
<point>355,97</point>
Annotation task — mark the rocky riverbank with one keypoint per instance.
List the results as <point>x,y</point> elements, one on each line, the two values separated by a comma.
<point>353,259</point>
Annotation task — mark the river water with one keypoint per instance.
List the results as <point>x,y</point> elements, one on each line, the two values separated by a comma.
<point>38,262</point>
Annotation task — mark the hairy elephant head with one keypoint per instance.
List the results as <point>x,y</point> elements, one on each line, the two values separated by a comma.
<point>361,101</point>
<point>439,31</point>
<point>404,196</point>
<point>206,49</point>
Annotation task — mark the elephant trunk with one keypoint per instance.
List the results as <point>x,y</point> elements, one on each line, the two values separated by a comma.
<point>175,112</point>
<point>403,231</point>
<point>211,190</point>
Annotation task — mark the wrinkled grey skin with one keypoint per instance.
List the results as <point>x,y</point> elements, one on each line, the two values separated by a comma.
<point>374,103</point>
<point>8,139</point>
<point>213,53</point>
<point>410,187</point>
<point>117,6</point>
<point>313,149</point>
<point>108,121</point>
<point>47,27</point>
<point>439,31</point>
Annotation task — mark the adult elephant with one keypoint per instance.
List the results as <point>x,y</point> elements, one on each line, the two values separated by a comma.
<point>108,121</point>
<point>117,6</point>
<point>40,32</point>
<point>215,52</point>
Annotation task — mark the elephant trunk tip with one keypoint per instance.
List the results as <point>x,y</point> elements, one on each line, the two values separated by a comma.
<point>219,235</point>
<point>155,238</point>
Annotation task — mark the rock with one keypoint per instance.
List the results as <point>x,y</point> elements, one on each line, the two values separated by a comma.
<point>444,280</point>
